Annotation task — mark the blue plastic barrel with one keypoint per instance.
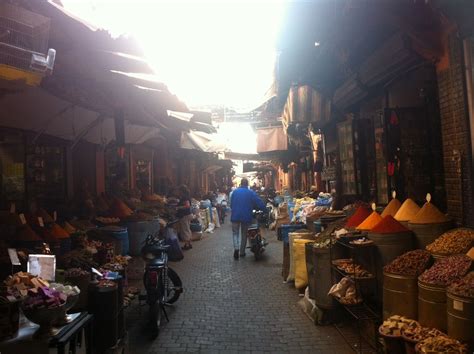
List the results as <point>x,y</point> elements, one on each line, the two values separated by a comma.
<point>286,229</point>
<point>317,225</point>
<point>119,233</point>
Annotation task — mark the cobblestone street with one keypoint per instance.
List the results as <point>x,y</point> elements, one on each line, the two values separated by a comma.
<point>234,306</point>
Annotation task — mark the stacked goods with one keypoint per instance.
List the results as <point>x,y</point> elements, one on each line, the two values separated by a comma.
<point>44,297</point>
<point>370,222</point>
<point>407,211</point>
<point>358,217</point>
<point>412,263</point>
<point>452,242</point>
<point>463,287</point>
<point>447,270</point>
<point>441,344</point>
<point>429,214</point>
<point>395,325</point>
<point>389,225</point>
<point>392,208</point>
<point>18,284</point>
<point>107,221</point>
<point>119,209</point>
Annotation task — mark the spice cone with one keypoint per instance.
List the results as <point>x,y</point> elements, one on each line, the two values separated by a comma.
<point>429,214</point>
<point>389,225</point>
<point>359,216</point>
<point>370,222</point>
<point>391,208</point>
<point>407,211</point>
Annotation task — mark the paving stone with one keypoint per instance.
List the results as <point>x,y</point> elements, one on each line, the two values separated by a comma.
<point>234,306</point>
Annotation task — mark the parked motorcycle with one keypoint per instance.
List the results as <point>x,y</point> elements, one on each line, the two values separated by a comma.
<point>162,284</point>
<point>254,235</point>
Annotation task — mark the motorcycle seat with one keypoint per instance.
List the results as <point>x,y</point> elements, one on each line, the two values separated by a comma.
<point>156,262</point>
<point>253,227</point>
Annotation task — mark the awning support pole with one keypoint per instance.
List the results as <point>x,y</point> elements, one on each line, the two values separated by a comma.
<point>50,121</point>
<point>93,124</point>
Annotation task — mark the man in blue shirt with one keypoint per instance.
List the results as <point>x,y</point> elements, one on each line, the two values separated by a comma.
<point>243,201</point>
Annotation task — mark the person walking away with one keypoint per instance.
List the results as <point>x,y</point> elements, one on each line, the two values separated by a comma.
<point>185,216</point>
<point>243,202</point>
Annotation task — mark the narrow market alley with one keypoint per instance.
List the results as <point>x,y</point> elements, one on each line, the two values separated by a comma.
<point>234,306</point>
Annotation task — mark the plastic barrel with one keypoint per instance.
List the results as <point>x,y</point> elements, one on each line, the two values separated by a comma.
<point>461,318</point>
<point>400,296</point>
<point>427,233</point>
<point>137,233</point>
<point>432,305</point>
<point>120,234</point>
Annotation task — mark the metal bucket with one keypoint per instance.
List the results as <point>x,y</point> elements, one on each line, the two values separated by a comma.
<point>400,296</point>
<point>389,247</point>
<point>461,318</point>
<point>427,233</point>
<point>137,233</point>
<point>432,306</point>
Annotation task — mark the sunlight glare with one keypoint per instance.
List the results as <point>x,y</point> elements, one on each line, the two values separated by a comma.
<point>214,52</point>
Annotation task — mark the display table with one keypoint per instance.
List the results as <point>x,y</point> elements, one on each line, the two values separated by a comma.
<point>70,333</point>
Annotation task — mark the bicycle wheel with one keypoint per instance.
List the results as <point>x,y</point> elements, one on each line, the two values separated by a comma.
<point>156,314</point>
<point>175,287</point>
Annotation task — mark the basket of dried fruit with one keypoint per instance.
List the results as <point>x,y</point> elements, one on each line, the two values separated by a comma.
<point>391,331</point>
<point>412,336</point>
<point>440,345</point>
<point>457,241</point>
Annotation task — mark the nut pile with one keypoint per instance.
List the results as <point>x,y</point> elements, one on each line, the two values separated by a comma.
<point>447,270</point>
<point>440,344</point>
<point>412,263</point>
<point>395,325</point>
<point>452,242</point>
<point>463,287</point>
<point>417,334</point>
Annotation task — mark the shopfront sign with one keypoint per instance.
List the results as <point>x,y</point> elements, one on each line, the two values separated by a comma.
<point>329,173</point>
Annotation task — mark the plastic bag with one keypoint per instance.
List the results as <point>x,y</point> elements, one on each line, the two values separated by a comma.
<point>175,253</point>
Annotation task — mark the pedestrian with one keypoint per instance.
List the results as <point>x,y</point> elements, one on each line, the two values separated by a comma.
<point>185,216</point>
<point>242,203</point>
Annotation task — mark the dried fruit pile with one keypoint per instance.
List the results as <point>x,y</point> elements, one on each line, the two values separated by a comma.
<point>417,334</point>
<point>395,325</point>
<point>440,344</point>
<point>452,242</point>
<point>447,270</point>
<point>463,287</point>
<point>44,297</point>
<point>18,284</point>
<point>412,263</point>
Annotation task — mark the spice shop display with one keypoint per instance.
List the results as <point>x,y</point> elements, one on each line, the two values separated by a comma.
<point>447,270</point>
<point>388,225</point>
<point>372,220</point>
<point>429,214</point>
<point>441,344</point>
<point>351,269</point>
<point>407,211</point>
<point>392,207</point>
<point>358,217</point>
<point>464,286</point>
<point>452,242</point>
<point>412,263</point>
<point>396,324</point>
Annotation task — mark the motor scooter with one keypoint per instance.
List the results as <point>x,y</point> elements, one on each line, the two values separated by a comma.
<point>254,235</point>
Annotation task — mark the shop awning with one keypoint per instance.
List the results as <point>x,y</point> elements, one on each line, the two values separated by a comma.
<point>271,139</point>
<point>201,141</point>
